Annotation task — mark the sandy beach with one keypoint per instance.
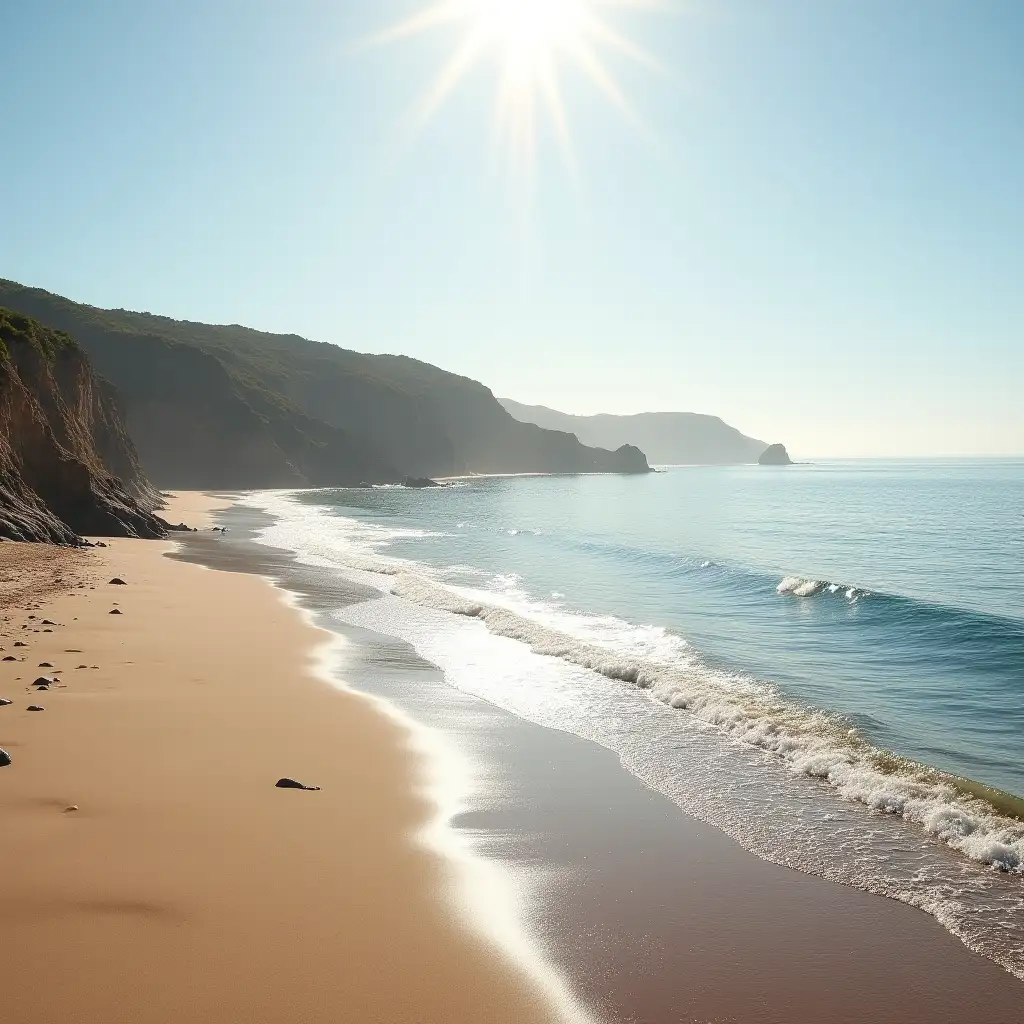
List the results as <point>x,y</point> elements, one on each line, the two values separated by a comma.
<point>185,886</point>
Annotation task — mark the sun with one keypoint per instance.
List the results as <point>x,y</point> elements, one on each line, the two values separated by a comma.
<point>529,29</point>
<point>531,41</point>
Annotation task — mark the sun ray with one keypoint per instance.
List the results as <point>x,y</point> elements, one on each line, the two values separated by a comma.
<point>443,13</point>
<point>595,70</point>
<point>451,75</point>
<point>602,32</point>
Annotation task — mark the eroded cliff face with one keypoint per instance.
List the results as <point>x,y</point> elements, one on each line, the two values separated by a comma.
<point>67,465</point>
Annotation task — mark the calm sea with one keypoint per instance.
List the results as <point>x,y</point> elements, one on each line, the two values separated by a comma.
<point>826,661</point>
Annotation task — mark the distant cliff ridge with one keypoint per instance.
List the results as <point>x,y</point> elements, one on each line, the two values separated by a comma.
<point>67,466</point>
<point>667,438</point>
<point>227,406</point>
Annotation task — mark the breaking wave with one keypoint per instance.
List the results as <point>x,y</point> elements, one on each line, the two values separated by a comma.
<point>811,742</point>
<point>799,586</point>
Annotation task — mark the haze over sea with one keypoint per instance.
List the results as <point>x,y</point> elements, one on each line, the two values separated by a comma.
<point>825,661</point>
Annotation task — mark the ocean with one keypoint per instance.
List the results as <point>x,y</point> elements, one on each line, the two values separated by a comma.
<point>824,661</point>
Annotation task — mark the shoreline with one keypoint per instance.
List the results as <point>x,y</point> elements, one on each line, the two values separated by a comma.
<point>186,887</point>
<point>627,894</point>
<point>183,885</point>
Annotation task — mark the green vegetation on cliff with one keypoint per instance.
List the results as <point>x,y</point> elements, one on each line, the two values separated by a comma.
<point>16,328</point>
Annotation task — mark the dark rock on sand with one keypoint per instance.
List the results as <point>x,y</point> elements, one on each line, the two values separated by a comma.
<point>115,611</point>
<point>44,681</point>
<point>49,622</point>
<point>10,657</point>
<point>292,784</point>
<point>45,664</point>
<point>118,582</point>
<point>180,528</point>
<point>20,643</point>
<point>4,702</point>
<point>775,455</point>
<point>5,758</point>
<point>34,707</point>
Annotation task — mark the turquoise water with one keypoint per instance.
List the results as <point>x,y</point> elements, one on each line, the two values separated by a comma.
<point>926,656</point>
<point>796,655</point>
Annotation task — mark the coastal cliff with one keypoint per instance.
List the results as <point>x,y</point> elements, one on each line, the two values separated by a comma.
<point>667,438</point>
<point>231,407</point>
<point>67,465</point>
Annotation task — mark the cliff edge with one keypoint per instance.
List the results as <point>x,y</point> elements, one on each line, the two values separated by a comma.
<point>67,465</point>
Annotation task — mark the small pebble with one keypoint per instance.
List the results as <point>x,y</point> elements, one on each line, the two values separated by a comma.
<point>34,707</point>
<point>115,611</point>
<point>73,807</point>
<point>292,784</point>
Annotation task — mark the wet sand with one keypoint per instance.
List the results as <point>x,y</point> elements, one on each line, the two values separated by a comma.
<point>150,871</point>
<point>652,915</point>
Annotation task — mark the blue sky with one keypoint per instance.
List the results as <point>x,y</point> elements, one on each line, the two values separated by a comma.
<point>815,229</point>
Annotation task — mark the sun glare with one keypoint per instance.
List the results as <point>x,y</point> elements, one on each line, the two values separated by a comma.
<point>529,28</point>
<point>530,40</point>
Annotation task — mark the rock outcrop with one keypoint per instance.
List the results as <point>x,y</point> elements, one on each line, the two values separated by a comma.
<point>775,455</point>
<point>67,465</point>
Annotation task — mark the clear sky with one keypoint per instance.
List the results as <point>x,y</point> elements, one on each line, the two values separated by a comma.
<point>813,226</point>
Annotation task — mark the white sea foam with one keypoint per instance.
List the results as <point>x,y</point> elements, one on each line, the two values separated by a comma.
<point>800,586</point>
<point>812,742</point>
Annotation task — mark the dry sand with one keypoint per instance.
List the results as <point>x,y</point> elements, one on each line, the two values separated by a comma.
<point>185,886</point>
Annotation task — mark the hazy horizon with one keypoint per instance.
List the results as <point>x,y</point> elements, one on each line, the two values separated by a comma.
<point>804,219</point>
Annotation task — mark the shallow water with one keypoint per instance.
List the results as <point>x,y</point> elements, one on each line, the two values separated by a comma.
<point>794,655</point>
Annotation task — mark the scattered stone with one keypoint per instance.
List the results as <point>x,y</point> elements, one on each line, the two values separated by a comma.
<point>49,622</point>
<point>10,657</point>
<point>44,681</point>
<point>4,702</point>
<point>5,758</point>
<point>20,643</point>
<point>45,664</point>
<point>115,611</point>
<point>81,666</point>
<point>292,784</point>
<point>100,544</point>
<point>118,582</point>
<point>34,707</point>
<point>73,807</point>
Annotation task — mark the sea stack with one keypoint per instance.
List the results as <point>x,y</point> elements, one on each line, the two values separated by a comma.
<point>775,455</point>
